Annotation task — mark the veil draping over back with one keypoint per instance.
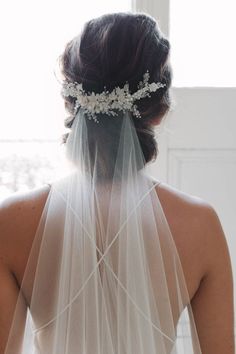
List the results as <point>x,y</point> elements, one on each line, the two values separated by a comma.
<point>104,275</point>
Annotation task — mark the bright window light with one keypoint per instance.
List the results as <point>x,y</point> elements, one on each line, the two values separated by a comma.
<point>33,35</point>
<point>203,49</point>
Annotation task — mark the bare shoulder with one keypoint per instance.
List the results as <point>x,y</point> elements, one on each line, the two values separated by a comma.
<point>22,206</point>
<point>192,212</point>
<point>25,199</point>
<point>188,211</point>
<point>197,231</point>
<point>19,217</point>
<point>206,261</point>
<point>175,196</point>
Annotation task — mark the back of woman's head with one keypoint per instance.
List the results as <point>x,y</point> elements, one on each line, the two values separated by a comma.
<point>114,49</point>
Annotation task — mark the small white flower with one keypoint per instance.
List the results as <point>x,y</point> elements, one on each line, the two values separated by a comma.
<point>153,86</point>
<point>146,77</point>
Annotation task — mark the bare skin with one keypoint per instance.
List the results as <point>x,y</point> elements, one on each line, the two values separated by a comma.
<point>200,241</point>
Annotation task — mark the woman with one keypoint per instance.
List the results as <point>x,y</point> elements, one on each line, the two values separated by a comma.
<point>107,259</point>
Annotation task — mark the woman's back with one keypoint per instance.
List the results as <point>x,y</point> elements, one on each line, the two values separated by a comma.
<point>24,207</point>
<point>199,240</point>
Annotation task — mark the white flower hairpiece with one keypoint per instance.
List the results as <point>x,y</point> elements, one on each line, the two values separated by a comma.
<point>106,102</point>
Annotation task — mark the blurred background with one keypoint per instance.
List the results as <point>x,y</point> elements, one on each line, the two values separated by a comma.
<point>197,143</point>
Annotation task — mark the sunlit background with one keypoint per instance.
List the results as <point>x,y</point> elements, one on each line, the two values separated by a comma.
<point>202,36</point>
<point>33,35</point>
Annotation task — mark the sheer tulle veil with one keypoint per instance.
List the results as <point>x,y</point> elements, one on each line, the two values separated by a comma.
<point>104,275</point>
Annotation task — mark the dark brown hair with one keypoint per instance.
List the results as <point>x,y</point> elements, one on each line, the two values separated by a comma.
<point>116,48</point>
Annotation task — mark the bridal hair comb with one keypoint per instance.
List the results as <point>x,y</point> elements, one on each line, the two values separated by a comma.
<point>106,102</point>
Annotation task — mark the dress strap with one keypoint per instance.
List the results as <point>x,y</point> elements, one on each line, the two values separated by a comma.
<point>157,183</point>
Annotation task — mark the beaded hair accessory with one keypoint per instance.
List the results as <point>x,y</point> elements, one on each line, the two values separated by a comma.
<point>106,102</point>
